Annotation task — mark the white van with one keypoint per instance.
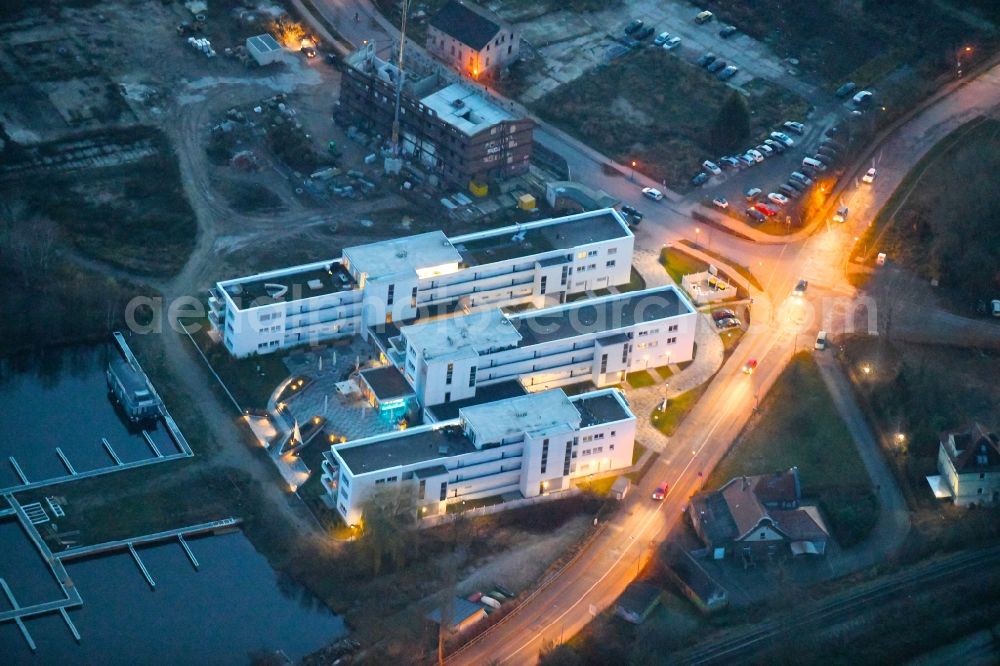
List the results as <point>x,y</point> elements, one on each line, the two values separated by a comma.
<point>813,164</point>
<point>821,341</point>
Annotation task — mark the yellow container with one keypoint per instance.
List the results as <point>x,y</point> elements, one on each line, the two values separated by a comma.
<point>526,202</point>
<point>479,189</point>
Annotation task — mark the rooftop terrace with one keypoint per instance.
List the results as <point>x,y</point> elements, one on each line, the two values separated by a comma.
<point>604,407</point>
<point>289,285</point>
<point>597,315</point>
<point>562,233</point>
<point>409,447</point>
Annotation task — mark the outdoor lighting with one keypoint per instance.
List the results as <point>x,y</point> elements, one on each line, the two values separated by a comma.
<point>333,438</point>
<point>867,369</point>
<point>343,439</point>
<point>968,49</point>
<point>633,164</point>
<point>315,419</point>
<point>545,484</point>
<point>423,509</point>
<point>900,438</point>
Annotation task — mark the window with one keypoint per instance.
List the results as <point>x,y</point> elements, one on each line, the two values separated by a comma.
<point>444,491</point>
<point>982,475</point>
<point>567,457</point>
<point>612,251</point>
<point>343,492</point>
<point>413,298</point>
<point>450,372</point>
<point>447,397</point>
<point>591,267</point>
<point>592,253</point>
<point>510,49</point>
<point>609,264</point>
<point>671,341</point>
<point>345,481</point>
<point>472,376</point>
<point>391,295</point>
<point>545,455</point>
<point>544,280</point>
<point>604,363</point>
<point>671,328</point>
<point>624,353</point>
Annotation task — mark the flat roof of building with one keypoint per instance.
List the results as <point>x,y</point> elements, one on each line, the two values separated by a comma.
<point>288,285</point>
<point>560,233</point>
<point>386,383</point>
<point>510,388</point>
<point>465,108</point>
<point>407,447</point>
<point>474,333</point>
<point>402,255</point>
<point>263,43</point>
<point>607,313</point>
<point>534,414</point>
<point>600,407</point>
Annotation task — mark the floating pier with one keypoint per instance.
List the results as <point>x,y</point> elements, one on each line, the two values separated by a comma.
<point>111,452</point>
<point>187,549</point>
<point>152,444</point>
<point>17,619</point>
<point>123,544</point>
<point>65,461</point>
<point>17,468</point>
<point>142,567</point>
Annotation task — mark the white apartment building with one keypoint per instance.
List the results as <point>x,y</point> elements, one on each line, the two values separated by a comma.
<point>400,280</point>
<point>520,447</point>
<point>598,339</point>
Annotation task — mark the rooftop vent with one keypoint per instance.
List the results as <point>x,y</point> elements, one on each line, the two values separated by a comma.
<point>401,252</point>
<point>457,103</point>
<point>275,290</point>
<point>315,284</point>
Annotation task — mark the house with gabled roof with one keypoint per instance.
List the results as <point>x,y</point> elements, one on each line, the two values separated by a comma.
<point>471,39</point>
<point>969,467</point>
<point>756,517</point>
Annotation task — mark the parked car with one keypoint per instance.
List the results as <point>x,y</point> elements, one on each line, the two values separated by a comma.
<point>846,89</point>
<point>723,313</point>
<point>308,51</point>
<point>644,32</point>
<point>720,202</point>
<point>869,176</point>
<point>652,193</point>
<point>705,60</point>
<point>633,25</point>
<point>825,160</point>
<point>661,38</point>
<point>776,146</point>
<point>672,43</point>
<point>783,138</point>
<point>757,157</point>
<point>700,178</point>
<point>746,160</point>
<point>841,214</point>
<point>802,178</point>
<point>862,99</point>
<point>728,31</point>
<point>727,73</point>
<point>765,150</point>
<point>794,126</point>
<point>797,185</point>
<point>711,167</point>
<point>821,340</point>
<point>811,163</point>
<point>752,193</point>
<point>769,211</point>
<point>660,493</point>
<point>717,66</point>
<point>703,17</point>
<point>828,150</point>
<point>779,199</point>
<point>832,131</point>
<point>789,191</point>
<point>755,215</point>
<point>727,322</point>
<point>730,162</point>
<point>750,366</point>
<point>800,288</point>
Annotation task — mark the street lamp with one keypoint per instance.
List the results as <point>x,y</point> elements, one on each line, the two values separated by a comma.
<point>633,171</point>
<point>697,236</point>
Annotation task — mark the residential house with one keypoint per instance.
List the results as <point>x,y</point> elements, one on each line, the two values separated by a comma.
<point>471,39</point>
<point>969,464</point>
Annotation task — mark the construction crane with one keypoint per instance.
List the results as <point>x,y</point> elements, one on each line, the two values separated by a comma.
<point>400,78</point>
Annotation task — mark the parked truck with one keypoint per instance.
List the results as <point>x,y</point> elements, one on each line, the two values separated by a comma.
<point>620,488</point>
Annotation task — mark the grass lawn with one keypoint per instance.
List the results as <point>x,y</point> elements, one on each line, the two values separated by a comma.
<point>599,487</point>
<point>667,421</point>
<point>941,203</point>
<point>730,340</point>
<point>678,264</point>
<point>799,426</point>
<point>250,380</point>
<point>640,379</point>
<point>656,109</point>
<point>664,372</point>
<point>637,451</point>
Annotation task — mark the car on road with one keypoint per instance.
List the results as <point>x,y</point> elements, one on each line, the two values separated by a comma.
<point>672,43</point>
<point>802,178</point>
<point>750,366</point>
<point>756,215</point>
<point>720,202</point>
<point>700,178</point>
<point>800,288</point>
<point>632,215</point>
<point>765,150</point>
<point>783,138</point>
<point>308,51</point>
<point>821,340</point>
<point>660,493</point>
<point>633,25</point>
<point>752,194</point>
<point>724,313</point>
<point>703,17</point>
<point>644,32</point>
<point>789,191</point>
<point>661,38</point>
<point>705,60</point>
<point>769,211</point>
<point>776,146</point>
<point>711,167</point>
<point>794,126</point>
<point>757,157</point>
<point>717,66</point>
<point>869,176</point>
<point>728,31</point>
<point>727,73</point>
<point>652,193</point>
<point>730,162</point>
<point>841,214</point>
<point>779,199</point>
<point>846,89</point>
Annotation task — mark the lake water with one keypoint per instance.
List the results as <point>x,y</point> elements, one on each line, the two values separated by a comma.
<point>234,605</point>
<point>60,399</point>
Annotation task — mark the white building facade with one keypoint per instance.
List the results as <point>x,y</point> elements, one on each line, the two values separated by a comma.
<point>520,447</point>
<point>403,279</point>
<point>597,340</point>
